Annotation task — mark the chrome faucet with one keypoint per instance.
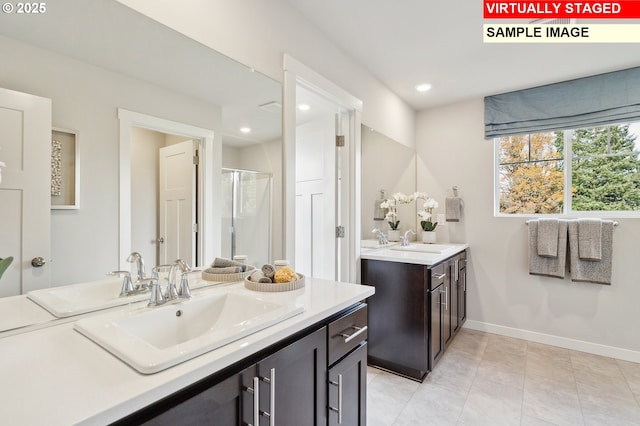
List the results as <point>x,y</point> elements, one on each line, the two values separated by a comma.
<point>183,292</point>
<point>405,239</point>
<point>170,291</point>
<point>127,286</point>
<point>382,238</point>
<point>137,258</point>
<point>156,298</point>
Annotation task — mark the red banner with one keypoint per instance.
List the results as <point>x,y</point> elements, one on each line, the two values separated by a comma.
<point>623,9</point>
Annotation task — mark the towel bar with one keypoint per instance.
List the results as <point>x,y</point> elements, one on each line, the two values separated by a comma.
<point>615,223</point>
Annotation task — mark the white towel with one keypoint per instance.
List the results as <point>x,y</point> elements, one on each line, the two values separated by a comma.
<point>590,239</point>
<point>598,271</point>
<point>548,237</point>
<point>453,209</point>
<point>548,266</point>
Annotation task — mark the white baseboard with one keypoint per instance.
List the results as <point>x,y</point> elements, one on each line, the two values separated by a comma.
<point>562,342</point>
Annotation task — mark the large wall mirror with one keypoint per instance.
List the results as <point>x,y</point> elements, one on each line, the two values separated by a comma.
<point>96,58</point>
<point>389,166</point>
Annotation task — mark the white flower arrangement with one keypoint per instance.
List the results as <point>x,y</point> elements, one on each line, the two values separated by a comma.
<point>426,214</point>
<point>392,204</point>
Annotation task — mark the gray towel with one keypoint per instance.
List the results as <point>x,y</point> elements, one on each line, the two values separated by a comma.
<point>220,262</point>
<point>548,237</point>
<point>590,239</point>
<point>452,209</point>
<point>259,277</point>
<point>548,266</point>
<point>224,270</point>
<point>598,271</point>
<point>268,270</point>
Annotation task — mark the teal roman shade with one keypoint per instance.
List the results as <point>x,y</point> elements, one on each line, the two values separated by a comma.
<point>585,102</point>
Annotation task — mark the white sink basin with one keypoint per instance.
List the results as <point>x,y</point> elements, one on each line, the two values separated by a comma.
<point>76,299</point>
<point>153,339</point>
<point>425,248</point>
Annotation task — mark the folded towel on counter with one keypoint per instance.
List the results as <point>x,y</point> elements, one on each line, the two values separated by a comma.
<point>593,271</point>
<point>268,270</point>
<point>225,270</point>
<point>453,209</point>
<point>548,266</point>
<point>220,262</point>
<point>590,239</point>
<point>548,237</point>
<point>259,277</point>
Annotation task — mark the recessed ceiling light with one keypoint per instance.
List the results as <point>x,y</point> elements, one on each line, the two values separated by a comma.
<point>245,129</point>
<point>423,87</point>
<point>303,107</point>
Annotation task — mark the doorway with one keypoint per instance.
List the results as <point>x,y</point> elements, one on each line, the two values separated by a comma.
<point>321,164</point>
<point>206,177</point>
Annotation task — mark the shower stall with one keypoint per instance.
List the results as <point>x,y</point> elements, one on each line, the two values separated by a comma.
<point>246,215</point>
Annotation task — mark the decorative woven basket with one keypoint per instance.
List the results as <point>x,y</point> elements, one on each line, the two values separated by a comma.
<point>207,275</point>
<point>273,287</point>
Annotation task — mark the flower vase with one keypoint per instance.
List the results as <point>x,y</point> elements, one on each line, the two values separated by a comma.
<point>428,237</point>
<point>394,235</point>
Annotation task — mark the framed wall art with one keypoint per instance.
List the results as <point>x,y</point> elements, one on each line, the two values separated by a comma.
<point>65,169</point>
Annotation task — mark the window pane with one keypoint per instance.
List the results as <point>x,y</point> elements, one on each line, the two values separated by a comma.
<point>606,183</point>
<point>608,140</point>
<point>537,146</point>
<point>536,187</point>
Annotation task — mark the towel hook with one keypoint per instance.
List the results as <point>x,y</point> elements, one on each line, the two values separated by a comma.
<point>455,191</point>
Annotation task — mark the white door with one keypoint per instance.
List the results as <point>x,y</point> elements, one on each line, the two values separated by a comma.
<point>315,219</point>
<point>25,190</point>
<point>177,203</point>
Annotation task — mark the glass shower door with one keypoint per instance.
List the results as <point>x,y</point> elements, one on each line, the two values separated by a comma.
<point>246,215</point>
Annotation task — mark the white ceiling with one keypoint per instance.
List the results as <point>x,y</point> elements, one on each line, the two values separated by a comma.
<point>406,42</point>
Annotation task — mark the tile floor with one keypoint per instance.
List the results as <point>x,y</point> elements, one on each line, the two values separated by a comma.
<point>487,379</point>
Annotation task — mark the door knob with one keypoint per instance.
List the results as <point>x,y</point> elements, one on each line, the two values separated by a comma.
<point>38,262</point>
<point>160,240</point>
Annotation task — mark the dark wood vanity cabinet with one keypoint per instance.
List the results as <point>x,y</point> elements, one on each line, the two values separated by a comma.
<point>416,312</point>
<point>316,377</point>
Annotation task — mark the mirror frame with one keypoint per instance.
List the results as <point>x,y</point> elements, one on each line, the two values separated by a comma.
<point>209,181</point>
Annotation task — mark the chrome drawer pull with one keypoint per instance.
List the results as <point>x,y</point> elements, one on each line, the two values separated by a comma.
<point>350,337</point>
<point>439,276</point>
<point>271,380</point>
<point>255,391</point>
<point>339,409</point>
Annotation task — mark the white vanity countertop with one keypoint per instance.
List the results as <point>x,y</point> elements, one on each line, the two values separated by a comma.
<point>414,257</point>
<point>56,376</point>
<point>19,311</point>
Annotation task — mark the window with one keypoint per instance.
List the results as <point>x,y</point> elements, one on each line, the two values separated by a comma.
<point>591,169</point>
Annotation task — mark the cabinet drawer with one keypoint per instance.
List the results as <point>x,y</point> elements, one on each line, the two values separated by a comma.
<point>346,333</point>
<point>438,274</point>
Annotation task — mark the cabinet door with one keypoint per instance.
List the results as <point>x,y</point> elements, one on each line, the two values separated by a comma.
<point>226,403</point>
<point>446,304</point>
<point>455,291</point>
<point>462,297</point>
<point>436,325</point>
<point>347,390</point>
<point>293,386</point>
<point>398,316</point>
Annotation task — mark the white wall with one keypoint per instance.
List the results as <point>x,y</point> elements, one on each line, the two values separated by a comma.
<point>85,98</point>
<point>257,33</point>
<point>503,297</point>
